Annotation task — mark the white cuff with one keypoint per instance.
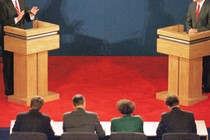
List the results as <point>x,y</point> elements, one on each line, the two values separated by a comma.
<point>16,20</point>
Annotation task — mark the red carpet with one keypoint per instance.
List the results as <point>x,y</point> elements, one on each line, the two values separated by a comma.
<point>103,80</point>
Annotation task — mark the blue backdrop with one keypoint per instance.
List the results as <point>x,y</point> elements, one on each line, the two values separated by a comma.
<point>110,27</point>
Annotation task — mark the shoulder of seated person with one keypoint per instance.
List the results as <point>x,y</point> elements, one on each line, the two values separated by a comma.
<point>67,113</point>
<point>115,118</point>
<point>137,116</point>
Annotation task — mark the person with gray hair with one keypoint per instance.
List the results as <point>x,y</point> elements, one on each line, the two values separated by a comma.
<point>176,120</point>
<point>81,120</point>
<point>34,120</point>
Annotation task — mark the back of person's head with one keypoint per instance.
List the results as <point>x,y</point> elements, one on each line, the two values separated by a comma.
<point>37,102</point>
<point>125,106</point>
<point>172,100</point>
<point>78,100</point>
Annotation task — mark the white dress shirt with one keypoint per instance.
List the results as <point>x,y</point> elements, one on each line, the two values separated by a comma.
<point>201,4</point>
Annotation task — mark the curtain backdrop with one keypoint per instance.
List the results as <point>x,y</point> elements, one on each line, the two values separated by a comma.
<point>110,27</point>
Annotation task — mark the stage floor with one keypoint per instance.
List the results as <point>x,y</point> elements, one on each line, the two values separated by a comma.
<point>104,80</point>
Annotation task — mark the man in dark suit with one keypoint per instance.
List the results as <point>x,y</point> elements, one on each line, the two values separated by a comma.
<point>198,20</point>
<point>176,120</point>
<point>34,121</point>
<point>81,120</point>
<point>12,13</point>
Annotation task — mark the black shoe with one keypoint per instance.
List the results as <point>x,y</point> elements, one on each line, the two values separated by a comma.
<point>205,90</point>
<point>8,94</point>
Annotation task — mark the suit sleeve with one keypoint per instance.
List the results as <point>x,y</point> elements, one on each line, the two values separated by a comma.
<point>4,21</point>
<point>194,128</point>
<point>17,125</point>
<point>161,129</point>
<point>189,18</point>
<point>64,126</point>
<point>112,125</point>
<point>27,15</point>
<point>49,130</point>
<point>207,20</point>
<point>141,125</point>
<point>98,128</point>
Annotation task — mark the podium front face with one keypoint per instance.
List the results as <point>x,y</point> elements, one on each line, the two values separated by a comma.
<point>30,48</point>
<point>185,63</point>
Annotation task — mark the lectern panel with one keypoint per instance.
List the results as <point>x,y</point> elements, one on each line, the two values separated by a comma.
<point>42,73</point>
<point>190,75</point>
<point>16,45</point>
<point>172,48</point>
<point>43,44</point>
<point>173,75</point>
<point>25,75</point>
<point>30,48</point>
<point>185,63</point>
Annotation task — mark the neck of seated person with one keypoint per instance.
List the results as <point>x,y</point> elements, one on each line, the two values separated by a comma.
<point>79,106</point>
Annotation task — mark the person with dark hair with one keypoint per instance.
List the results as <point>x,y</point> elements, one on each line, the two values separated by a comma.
<point>176,120</point>
<point>12,13</point>
<point>198,20</point>
<point>128,122</point>
<point>34,120</point>
<point>81,120</point>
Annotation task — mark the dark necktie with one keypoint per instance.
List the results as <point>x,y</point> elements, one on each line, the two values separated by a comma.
<point>197,12</point>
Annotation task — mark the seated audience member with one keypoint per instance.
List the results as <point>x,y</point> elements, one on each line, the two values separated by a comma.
<point>34,120</point>
<point>81,120</point>
<point>176,120</point>
<point>128,122</point>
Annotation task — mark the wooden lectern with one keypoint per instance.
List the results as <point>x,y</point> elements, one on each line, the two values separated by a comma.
<point>185,62</point>
<point>30,48</point>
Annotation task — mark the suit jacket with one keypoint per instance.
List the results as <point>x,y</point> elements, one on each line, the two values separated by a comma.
<point>176,120</point>
<point>203,22</point>
<point>8,13</point>
<point>80,120</point>
<point>33,121</point>
<point>127,123</point>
